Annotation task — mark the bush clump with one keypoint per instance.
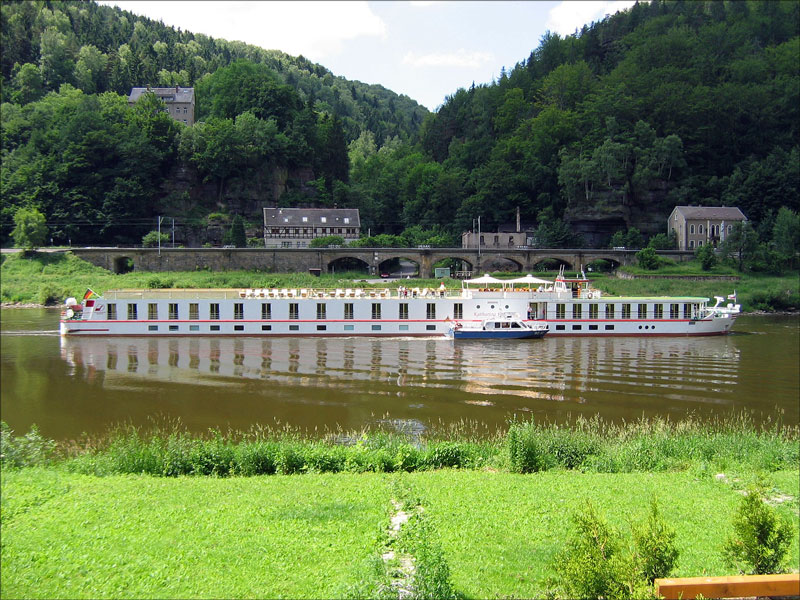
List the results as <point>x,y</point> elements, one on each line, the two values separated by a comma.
<point>597,562</point>
<point>761,536</point>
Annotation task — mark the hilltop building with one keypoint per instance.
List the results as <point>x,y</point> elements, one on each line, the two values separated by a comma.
<point>179,101</point>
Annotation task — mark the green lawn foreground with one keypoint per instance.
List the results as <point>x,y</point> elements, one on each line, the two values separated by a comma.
<point>308,536</point>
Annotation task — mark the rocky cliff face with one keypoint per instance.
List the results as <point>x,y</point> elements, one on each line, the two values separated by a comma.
<point>614,211</point>
<point>188,199</point>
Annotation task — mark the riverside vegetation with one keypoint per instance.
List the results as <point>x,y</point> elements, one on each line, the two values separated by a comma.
<point>162,513</point>
<point>49,278</point>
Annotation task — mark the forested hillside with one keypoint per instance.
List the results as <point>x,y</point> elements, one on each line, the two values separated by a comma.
<point>666,103</point>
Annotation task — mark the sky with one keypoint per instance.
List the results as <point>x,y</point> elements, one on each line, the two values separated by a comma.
<point>421,48</point>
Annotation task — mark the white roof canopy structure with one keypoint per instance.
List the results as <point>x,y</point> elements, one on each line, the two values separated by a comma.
<point>485,279</point>
<point>528,279</point>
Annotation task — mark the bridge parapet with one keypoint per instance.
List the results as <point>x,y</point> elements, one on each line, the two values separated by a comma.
<point>287,260</point>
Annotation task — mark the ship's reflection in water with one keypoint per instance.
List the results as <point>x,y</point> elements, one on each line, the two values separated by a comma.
<point>421,380</point>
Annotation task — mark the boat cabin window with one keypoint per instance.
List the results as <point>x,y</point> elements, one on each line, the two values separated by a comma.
<point>673,311</point>
<point>626,311</point>
<point>687,311</point>
<point>238,311</point>
<point>577,311</point>
<point>403,311</point>
<point>642,312</point>
<point>560,311</point>
<point>294,310</point>
<point>593,311</point>
<point>266,311</point>
<point>515,326</point>
<point>194,311</point>
<point>321,311</point>
<point>213,311</point>
<point>458,310</point>
<point>348,310</point>
<point>376,311</point>
<point>609,311</point>
<point>111,315</point>
<point>430,312</point>
<point>152,311</point>
<point>173,311</point>
<point>658,311</point>
<point>132,312</point>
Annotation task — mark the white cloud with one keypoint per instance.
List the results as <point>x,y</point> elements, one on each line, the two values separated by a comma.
<point>566,17</point>
<point>314,29</point>
<point>460,58</point>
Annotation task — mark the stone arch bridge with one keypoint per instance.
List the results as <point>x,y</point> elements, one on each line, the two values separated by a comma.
<point>287,260</point>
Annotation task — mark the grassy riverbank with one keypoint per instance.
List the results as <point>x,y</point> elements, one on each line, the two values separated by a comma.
<point>45,278</point>
<point>136,514</point>
<point>67,535</point>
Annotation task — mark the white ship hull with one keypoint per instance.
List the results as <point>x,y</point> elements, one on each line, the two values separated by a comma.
<point>154,313</point>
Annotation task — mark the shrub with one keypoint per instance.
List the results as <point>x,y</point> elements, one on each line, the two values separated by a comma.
<point>150,240</point>
<point>648,259</point>
<point>761,537</point>
<point>524,451</point>
<point>705,254</point>
<point>592,564</point>
<point>27,451</point>
<point>656,550</point>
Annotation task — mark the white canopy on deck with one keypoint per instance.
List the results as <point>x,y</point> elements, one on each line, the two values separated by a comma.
<point>485,279</point>
<point>529,279</point>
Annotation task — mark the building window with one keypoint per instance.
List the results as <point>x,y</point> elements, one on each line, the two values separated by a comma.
<point>593,311</point>
<point>294,310</point>
<point>458,311</point>
<point>111,315</point>
<point>699,229</point>
<point>673,311</point>
<point>132,312</point>
<point>194,311</point>
<point>700,243</point>
<point>173,311</point>
<point>691,243</point>
<point>152,311</point>
<point>403,314</point>
<point>213,311</point>
<point>323,219</point>
<point>347,220</point>
<point>642,312</point>
<point>348,310</point>
<point>376,310</point>
<point>266,311</point>
<point>430,312</point>
<point>560,311</point>
<point>483,243</point>
<point>321,312</point>
<point>691,228</point>
<point>658,311</point>
<point>577,309</point>
<point>626,311</point>
<point>238,310</point>
<point>305,219</point>
<point>730,228</point>
<point>609,311</point>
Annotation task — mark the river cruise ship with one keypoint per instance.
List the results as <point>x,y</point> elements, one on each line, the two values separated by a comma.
<point>567,306</point>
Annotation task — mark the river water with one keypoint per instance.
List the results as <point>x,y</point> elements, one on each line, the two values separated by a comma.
<point>73,386</point>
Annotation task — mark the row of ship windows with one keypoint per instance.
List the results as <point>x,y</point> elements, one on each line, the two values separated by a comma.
<point>266,311</point>
<point>291,328</point>
<point>658,312</point>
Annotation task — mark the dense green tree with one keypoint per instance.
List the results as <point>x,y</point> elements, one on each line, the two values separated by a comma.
<point>30,228</point>
<point>27,84</point>
<point>786,236</point>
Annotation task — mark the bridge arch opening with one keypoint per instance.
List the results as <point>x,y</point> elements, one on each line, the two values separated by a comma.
<point>603,265</point>
<point>400,267</point>
<point>459,268</point>
<point>123,264</point>
<point>349,264</point>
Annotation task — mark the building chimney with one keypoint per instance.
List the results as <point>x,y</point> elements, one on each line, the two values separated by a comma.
<point>518,223</point>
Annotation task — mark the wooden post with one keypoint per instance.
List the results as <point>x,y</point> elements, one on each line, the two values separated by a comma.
<point>735,586</point>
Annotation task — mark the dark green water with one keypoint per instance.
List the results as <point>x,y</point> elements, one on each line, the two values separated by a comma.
<point>68,387</point>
